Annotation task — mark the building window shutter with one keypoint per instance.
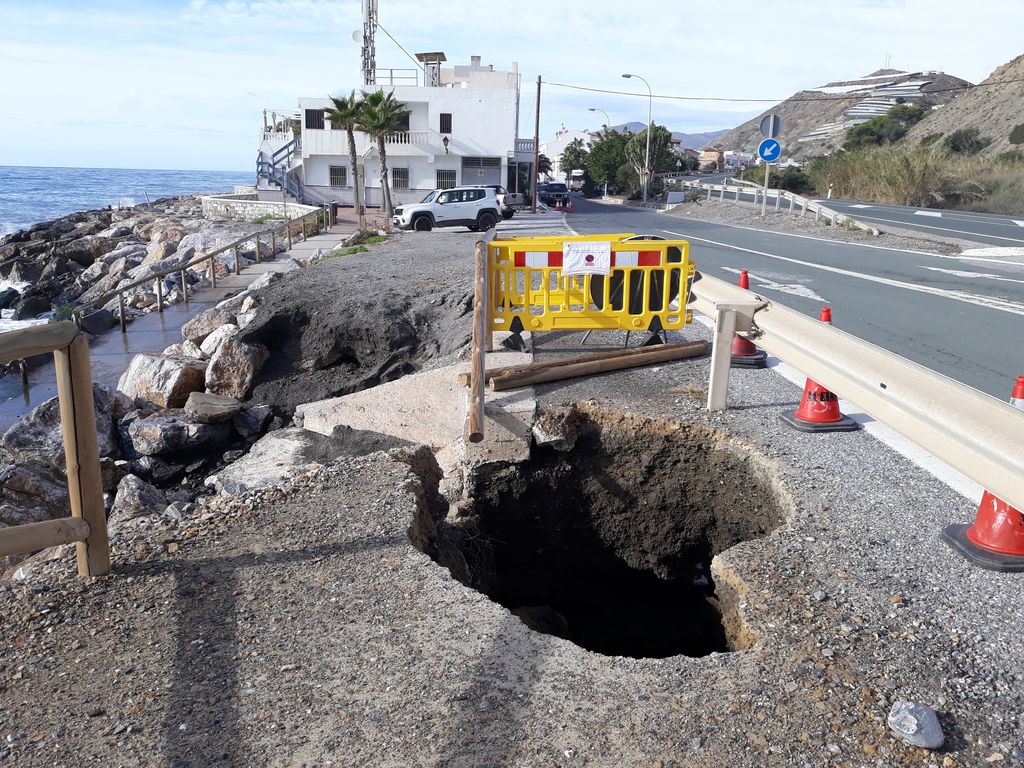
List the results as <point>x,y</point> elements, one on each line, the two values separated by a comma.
<point>315,119</point>
<point>446,122</point>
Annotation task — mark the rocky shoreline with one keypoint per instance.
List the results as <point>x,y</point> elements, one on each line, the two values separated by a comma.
<point>75,260</point>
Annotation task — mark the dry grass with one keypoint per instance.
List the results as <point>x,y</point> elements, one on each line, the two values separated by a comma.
<point>922,176</point>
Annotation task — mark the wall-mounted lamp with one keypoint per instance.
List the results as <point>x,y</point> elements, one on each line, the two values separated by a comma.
<point>445,142</point>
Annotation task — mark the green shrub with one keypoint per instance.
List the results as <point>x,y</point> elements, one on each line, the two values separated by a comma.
<point>966,141</point>
<point>268,217</point>
<point>62,313</point>
<point>339,252</point>
<point>1017,134</point>
<point>931,138</point>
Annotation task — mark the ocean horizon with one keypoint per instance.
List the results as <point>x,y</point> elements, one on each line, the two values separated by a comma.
<point>30,194</point>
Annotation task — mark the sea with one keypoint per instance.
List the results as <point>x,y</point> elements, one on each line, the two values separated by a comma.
<point>30,194</point>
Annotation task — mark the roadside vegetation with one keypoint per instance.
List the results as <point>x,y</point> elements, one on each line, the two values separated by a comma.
<point>268,217</point>
<point>940,172</point>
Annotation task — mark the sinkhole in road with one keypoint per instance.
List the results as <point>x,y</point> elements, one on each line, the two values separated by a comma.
<point>608,540</point>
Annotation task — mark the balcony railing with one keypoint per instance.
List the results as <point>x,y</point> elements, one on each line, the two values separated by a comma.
<point>418,138</point>
<point>524,145</point>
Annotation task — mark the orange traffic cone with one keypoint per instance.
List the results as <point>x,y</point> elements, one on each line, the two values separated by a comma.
<point>996,540</point>
<point>819,408</point>
<point>568,204</point>
<point>744,353</point>
<point>558,204</point>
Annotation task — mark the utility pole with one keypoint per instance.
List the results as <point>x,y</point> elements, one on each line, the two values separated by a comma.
<point>536,152</point>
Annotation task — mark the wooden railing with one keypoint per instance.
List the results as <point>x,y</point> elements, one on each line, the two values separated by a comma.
<point>87,526</point>
<point>314,220</point>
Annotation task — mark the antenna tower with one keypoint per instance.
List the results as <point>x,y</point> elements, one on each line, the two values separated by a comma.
<point>369,51</point>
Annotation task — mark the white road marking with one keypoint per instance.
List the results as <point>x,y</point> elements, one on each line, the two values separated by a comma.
<point>796,289</point>
<point>960,257</point>
<point>944,229</point>
<point>987,302</point>
<point>884,434</point>
<point>996,250</point>
<point>861,205</point>
<point>935,214</point>
<point>1018,223</point>
<point>961,273</point>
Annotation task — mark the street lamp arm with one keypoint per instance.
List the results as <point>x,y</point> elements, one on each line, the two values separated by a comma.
<point>646,176</point>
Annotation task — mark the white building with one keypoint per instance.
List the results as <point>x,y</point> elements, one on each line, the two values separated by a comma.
<point>462,129</point>
<point>553,149</point>
<point>735,159</point>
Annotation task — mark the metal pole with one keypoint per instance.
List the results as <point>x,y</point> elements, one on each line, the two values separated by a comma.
<point>778,199</point>
<point>184,287</point>
<point>160,294</point>
<point>791,201</point>
<point>536,152</point>
<point>120,309</point>
<point>646,175</point>
<point>238,266</point>
<point>257,249</point>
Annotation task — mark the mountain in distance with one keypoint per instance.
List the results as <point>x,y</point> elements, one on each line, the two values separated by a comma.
<point>688,140</point>
<point>814,120</point>
<point>994,107</point>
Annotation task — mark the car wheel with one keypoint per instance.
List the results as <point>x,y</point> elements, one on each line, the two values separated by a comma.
<point>486,220</point>
<point>472,227</point>
<point>507,214</point>
<point>422,224</point>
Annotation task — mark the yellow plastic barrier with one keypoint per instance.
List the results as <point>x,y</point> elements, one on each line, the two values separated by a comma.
<point>625,291</point>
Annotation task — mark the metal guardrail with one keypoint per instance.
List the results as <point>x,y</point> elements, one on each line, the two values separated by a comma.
<point>302,222</point>
<point>971,431</point>
<point>834,217</point>
<point>87,526</point>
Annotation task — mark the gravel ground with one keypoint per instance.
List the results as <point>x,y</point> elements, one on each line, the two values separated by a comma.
<point>749,215</point>
<point>300,627</point>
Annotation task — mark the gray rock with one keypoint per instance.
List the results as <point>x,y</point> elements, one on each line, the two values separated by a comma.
<point>168,435</point>
<point>136,498</point>
<point>31,485</point>
<point>916,724</point>
<point>96,322</point>
<point>264,280</point>
<point>38,435</point>
<point>252,421</point>
<point>165,381</point>
<point>208,408</point>
<point>158,470</point>
<point>185,349</point>
<point>29,306</point>
<point>213,342</point>
<point>274,458</point>
<point>205,323</point>
<point>233,368</point>
<point>7,297</point>
<point>234,303</point>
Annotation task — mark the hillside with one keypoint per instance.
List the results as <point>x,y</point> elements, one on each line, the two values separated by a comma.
<point>994,108</point>
<point>689,140</point>
<point>813,121</point>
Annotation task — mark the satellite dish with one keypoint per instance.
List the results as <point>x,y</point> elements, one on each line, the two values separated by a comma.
<point>357,36</point>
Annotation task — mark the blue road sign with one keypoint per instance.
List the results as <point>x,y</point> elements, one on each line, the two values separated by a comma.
<point>769,150</point>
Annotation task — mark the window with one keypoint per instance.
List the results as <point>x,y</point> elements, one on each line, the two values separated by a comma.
<point>446,122</point>
<point>403,122</point>
<point>446,197</point>
<point>339,176</point>
<point>315,119</point>
<point>445,179</point>
<point>399,178</point>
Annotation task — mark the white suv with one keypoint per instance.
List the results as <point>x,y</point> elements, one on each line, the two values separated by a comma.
<point>474,207</point>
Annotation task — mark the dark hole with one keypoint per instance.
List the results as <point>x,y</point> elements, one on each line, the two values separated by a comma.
<point>610,544</point>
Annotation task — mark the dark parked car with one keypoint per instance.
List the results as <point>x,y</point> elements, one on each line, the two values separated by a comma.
<point>552,192</point>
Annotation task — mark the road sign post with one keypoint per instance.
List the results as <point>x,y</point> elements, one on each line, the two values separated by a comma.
<point>769,151</point>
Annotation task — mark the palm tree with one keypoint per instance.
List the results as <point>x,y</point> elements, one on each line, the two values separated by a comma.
<point>345,114</point>
<point>382,115</point>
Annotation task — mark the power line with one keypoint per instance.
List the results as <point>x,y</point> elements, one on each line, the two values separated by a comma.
<point>822,97</point>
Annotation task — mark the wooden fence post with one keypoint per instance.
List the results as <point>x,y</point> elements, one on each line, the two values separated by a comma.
<point>78,424</point>
<point>159,294</point>
<point>184,287</point>
<point>257,248</point>
<point>120,307</point>
<point>238,268</point>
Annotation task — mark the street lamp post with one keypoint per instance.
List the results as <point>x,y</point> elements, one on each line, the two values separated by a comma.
<point>647,153</point>
<point>607,125</point>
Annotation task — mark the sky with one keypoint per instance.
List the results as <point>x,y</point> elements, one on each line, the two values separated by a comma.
<point>182,84</point>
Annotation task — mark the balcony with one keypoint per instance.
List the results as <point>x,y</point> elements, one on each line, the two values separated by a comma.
<point>418,138</point>
<point>524,145</point>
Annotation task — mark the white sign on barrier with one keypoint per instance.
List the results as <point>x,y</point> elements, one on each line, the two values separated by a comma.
<point>582,258</point>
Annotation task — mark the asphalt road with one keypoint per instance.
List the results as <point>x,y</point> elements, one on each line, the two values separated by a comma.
<point>986,229</point>
<point>960,317</point>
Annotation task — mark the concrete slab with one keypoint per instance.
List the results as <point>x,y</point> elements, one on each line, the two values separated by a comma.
<point>430,408</point>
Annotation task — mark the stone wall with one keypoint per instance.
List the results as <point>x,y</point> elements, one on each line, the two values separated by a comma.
<point>246,207</point>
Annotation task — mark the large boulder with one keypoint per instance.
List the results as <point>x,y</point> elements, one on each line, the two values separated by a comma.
<point>136,498</point>
<point>205,323</point>
<point>38,436</point>
<point>170,434</point>
<point>29,306</point>
<point>213,342</point>
<point>32,485</point>
<point>165,381</point>
<point>207,408</point>
<point>160,251</point>
<point>274,458</point>
<point>7,297</point>
<point>86,250</point>
<point>253,421</point>
<point>185,349</point>
<point>97,321</point>
<point>233,368</point>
